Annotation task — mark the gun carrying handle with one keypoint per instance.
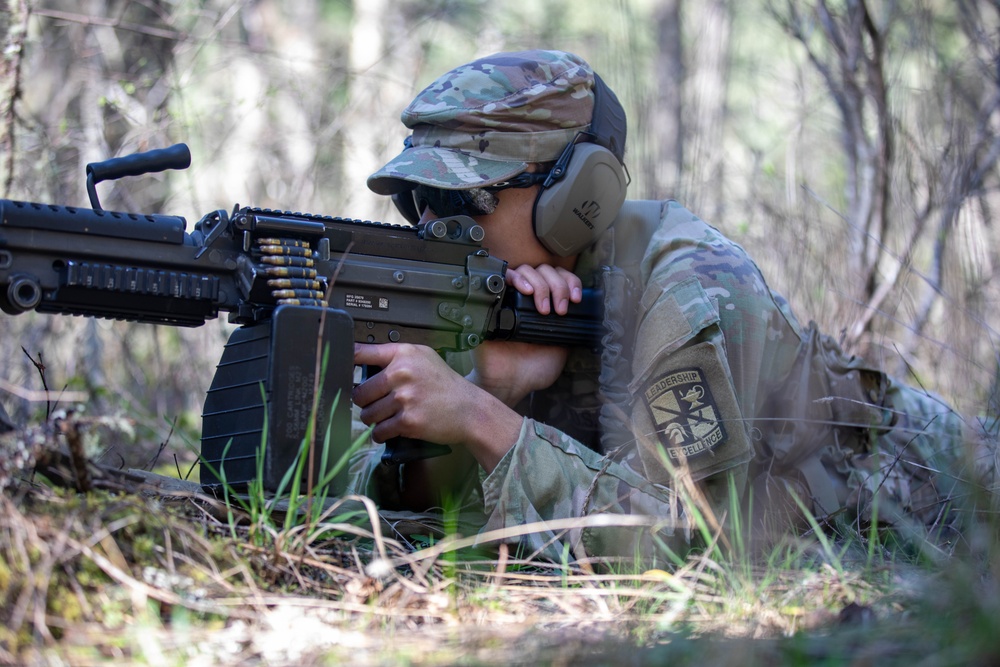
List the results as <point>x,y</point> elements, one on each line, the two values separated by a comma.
<point>177,156</point>
<point>95,203</point>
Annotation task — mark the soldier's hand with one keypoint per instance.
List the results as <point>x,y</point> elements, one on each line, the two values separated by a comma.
<point>417,395</point>
<point>553,288</point>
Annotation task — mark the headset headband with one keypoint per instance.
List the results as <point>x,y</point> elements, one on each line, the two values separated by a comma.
<point>608,125</point>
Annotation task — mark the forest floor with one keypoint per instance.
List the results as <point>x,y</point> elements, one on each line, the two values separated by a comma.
<point>141,569</point>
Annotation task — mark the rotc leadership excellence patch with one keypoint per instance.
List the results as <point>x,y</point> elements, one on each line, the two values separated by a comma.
<point>685,414</point>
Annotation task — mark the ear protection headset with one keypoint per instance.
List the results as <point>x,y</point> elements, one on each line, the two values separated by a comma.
<point>582,194</point>
<point>586,187</point>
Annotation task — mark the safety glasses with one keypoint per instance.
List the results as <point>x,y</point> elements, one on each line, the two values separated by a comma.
<point>472,202</point>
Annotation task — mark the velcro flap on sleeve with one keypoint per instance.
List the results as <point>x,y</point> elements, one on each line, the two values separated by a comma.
<point>672,318</point>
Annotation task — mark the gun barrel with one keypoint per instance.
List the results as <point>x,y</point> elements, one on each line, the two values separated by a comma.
<point>80,261</point>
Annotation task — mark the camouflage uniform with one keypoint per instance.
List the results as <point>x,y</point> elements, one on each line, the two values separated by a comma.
<point>705,381</point>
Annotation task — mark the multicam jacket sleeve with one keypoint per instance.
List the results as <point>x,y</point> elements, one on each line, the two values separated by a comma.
<point>548,476</point>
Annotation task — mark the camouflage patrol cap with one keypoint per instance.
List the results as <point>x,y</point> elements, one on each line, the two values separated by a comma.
<point>484,122</point>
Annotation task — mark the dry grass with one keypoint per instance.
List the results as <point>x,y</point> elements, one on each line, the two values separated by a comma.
<point>160,581</point>
<point>143,574</point>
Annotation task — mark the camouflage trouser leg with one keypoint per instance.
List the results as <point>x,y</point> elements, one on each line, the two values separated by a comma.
<point>925,468</point>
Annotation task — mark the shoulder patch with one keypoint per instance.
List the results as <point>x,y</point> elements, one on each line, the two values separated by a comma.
<point>685,414</point>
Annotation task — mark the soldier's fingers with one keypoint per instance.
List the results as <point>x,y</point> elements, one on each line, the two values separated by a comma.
<point>377,411</point>
<point>517,278</point>
<point>369,391</point>
<point>542,290</point>
<point>380,384</point>
<point>366,354</point>
<point>527,280</point>
<point>553,287</point>
<point>564,286</point>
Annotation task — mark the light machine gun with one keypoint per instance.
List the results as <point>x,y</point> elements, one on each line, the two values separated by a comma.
<point>298,284</point>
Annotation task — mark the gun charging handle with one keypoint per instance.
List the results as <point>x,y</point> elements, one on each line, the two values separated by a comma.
<point>177,156</point>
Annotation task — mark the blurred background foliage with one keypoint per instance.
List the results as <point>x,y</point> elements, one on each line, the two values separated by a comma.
<point>849,145</point>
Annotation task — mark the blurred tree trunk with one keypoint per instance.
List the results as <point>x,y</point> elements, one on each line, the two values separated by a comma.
<point>384,66</point>
<point>710,26</point>
<point>13,27</point>
<point>368,63</point>
<point>665,122</point>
